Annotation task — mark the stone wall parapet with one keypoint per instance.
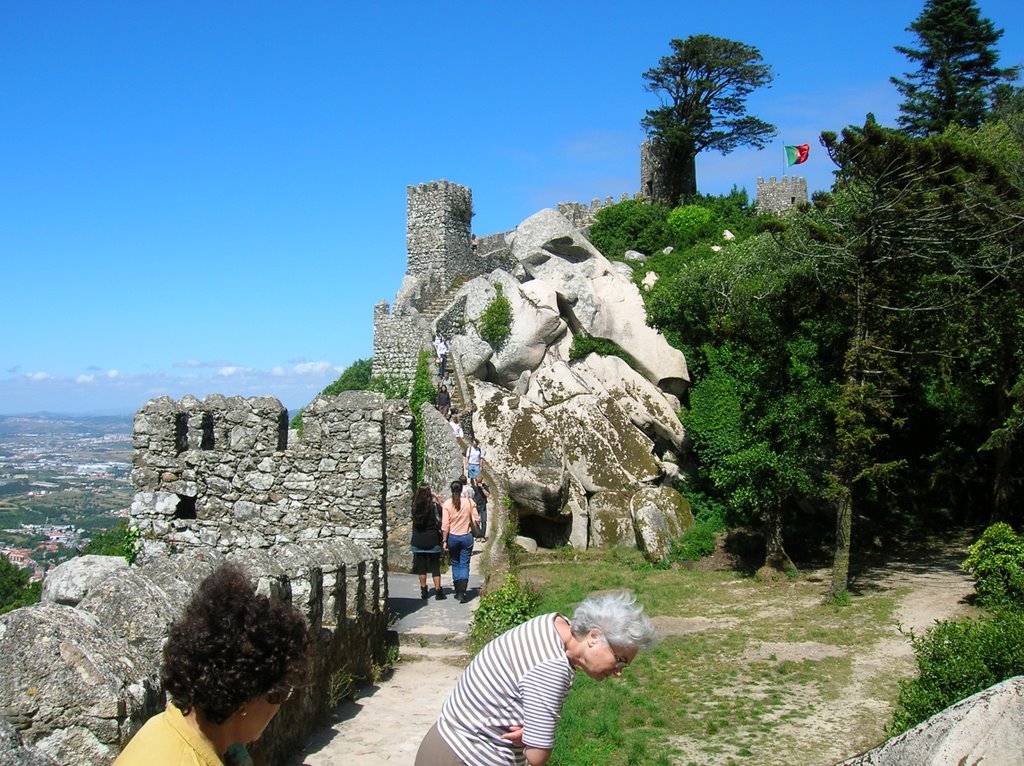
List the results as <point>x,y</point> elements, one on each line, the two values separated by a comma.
<point>220,473</point>
<point>82,679</point>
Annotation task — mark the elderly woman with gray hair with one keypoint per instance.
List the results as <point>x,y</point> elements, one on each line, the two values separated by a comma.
<point>506,705</point>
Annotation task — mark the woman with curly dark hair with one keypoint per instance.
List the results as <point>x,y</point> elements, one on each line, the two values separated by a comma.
<point>231,660</point>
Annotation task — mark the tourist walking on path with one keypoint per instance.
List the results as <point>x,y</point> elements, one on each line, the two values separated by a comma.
<point>444,401</point>
<point>506,704</point>
<point>442,357</point>
<point>456,514</point>
<point>474,454</point>
<point>426,540</point>
<point>231,660</point>
<point>453,422</point>
<point>481,492</point>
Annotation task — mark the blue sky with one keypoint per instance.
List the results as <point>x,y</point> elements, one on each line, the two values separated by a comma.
<point>210,197</point>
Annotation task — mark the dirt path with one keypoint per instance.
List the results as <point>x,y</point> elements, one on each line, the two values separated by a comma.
<point>386,726</point>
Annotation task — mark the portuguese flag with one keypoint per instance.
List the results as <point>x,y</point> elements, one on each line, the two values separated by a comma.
<point>797,154</point>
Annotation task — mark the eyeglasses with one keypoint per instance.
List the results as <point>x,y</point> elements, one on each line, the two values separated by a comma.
<point>280,696</point>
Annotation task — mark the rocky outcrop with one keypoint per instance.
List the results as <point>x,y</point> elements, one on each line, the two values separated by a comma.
<point>564,432</point>
<point>595,298</point>
<point>985,728</point>
<point>69,582</point>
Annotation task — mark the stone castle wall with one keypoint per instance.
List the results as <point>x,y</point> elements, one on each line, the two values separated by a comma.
<point>218,480</point>
<point>220,473</point>
<point>777,196</point>
<point>581,215</point>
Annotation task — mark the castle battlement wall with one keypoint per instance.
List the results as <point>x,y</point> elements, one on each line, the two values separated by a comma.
<point>220,473</point>
<point>582,215</point>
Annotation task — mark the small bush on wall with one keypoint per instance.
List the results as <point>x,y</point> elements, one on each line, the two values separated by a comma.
<point>495,323</point>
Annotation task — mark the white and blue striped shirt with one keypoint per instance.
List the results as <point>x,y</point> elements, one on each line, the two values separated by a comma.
<point>519,679</point>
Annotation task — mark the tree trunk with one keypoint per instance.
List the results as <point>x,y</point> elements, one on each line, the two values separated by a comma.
<point>689,180</point>
<point>841,560</point>
<point>776,560</point>
<point>1001,477</point>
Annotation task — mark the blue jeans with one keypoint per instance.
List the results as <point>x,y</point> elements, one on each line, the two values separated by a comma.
<point>460,548</point>
<point>482,511</point>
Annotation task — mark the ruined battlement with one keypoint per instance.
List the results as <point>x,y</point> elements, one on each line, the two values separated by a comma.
<point>221,473</point>
<point>582,215</point>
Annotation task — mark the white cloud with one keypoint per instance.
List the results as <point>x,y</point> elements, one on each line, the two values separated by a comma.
<point>39,376</point>
<point>85,379</point>
<point>278,371</point>
<point>232,370</point>
<point>112,374</point>
<point>191,364</point>
<point>313,368</point>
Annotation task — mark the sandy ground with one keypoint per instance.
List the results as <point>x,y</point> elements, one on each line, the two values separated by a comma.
<point>386,724</point>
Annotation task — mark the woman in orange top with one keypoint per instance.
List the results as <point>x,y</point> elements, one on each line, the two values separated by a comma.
<point>456,514</point>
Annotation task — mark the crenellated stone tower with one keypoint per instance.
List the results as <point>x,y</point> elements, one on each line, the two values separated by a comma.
<point>438,240</point>
<point>778,196</point>
<point>438,219</point>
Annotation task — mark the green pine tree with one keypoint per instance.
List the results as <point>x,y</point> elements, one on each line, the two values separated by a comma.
<point>957,78</point>
<point>703,85</point>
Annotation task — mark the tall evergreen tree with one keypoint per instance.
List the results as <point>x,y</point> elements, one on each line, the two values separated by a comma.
<point>703,84</point>
<point>957,78</point>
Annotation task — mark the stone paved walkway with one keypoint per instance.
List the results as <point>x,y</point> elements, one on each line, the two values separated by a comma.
<point>385,723</point>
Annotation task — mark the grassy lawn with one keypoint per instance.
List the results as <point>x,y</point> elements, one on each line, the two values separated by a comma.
<point>746,672</point>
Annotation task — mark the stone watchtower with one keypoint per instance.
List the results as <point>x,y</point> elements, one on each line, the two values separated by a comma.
<point>652,187</point>
<point>438,241</point>
<point>438,219</point>
<point>774,196</point>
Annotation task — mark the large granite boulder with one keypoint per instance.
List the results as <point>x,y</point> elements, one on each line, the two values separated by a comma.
<point>137,610</point>
<point>651,410</point>
<point>68,583</point>
<point>594,297</point>
<point>78,690</point>
<point>611,519</point>
<point>536,324</point>
<point>660,515</point>
<point>14,752</point>
<point>986,728</point>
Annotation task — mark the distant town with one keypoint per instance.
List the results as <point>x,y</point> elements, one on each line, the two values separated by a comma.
<point>62,480</point>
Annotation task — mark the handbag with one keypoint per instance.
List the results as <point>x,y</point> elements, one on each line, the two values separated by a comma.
<point>475,530</point>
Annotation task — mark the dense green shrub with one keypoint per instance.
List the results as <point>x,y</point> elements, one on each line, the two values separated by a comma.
<point>956,660</point>
<point>355,377</point>
<point>691,223</point>
<point>496,320</point>
<point>121,540</point>
<point>422,390</point>
<point>631,225</point>
<point>584,344</point>
<point>15,589</point>
<point>501,610</point>
<point>996,561</point>
<point>695,543</point>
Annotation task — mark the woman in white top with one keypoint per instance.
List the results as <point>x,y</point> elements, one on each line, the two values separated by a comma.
<point>506,705</point>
